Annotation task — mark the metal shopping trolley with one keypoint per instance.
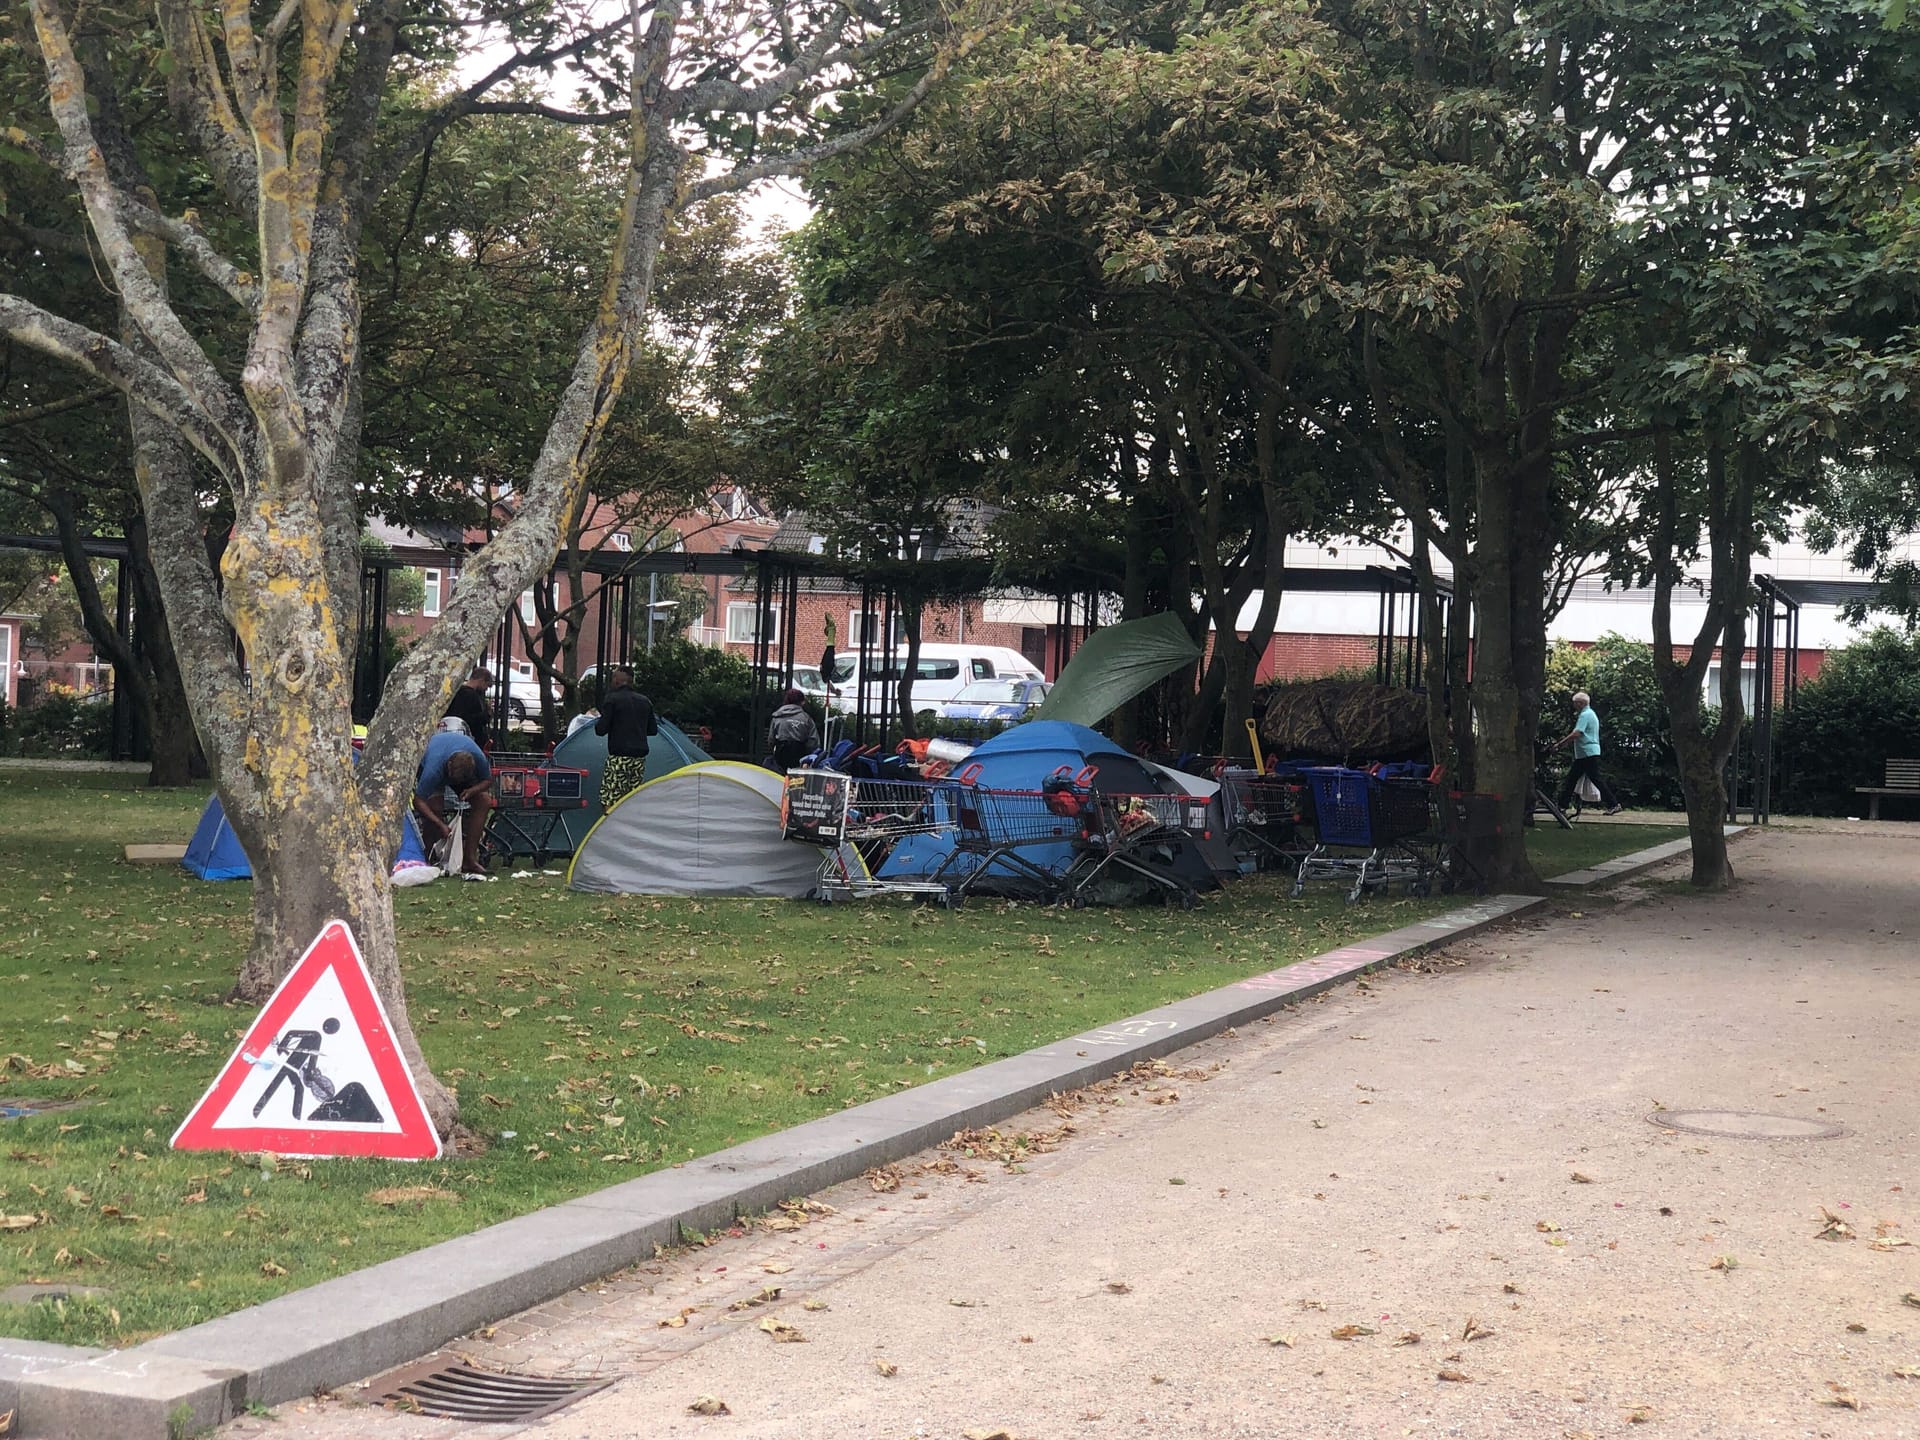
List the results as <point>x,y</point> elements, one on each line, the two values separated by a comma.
<point>1262,816</point>
<point>998,835</point>
<point>529,802</point>
<point>1140,836</point>
<point>1364,827</point>
<point>857,821</point>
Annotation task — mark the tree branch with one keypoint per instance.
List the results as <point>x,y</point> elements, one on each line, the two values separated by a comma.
<point>147,383</point>
<point>34,413</point>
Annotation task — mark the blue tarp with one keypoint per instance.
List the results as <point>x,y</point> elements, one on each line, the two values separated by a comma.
<point>214,853</point>
<point>1021,757</point>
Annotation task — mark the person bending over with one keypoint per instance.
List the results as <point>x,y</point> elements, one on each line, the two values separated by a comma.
<point>453,763</point>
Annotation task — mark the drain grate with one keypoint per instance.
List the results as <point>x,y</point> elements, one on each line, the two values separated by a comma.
<point>460,1392</point>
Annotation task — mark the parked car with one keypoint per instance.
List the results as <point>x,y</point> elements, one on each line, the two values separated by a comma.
<point>523,693</point>
<point>995,702</point>
<point>806,678</point>
<point>942,673</point>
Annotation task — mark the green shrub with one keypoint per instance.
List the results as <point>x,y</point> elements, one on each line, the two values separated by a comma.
<point>1860,710</point>
<point>63,727</point>
<point>694,685</point>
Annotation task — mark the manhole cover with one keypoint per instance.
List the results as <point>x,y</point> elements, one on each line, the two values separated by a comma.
<point>1746,1125</point>
<point>460,1392</point>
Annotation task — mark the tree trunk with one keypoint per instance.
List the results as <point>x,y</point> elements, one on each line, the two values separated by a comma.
<point>1703,783</point>
<point>175,756</point>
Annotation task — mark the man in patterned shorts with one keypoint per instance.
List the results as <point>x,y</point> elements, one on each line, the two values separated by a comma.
<point>626,719</point>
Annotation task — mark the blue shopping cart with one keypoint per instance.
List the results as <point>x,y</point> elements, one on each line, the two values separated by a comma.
<point>1365,828</point>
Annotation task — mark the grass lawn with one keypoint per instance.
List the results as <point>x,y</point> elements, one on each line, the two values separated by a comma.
<point>591,1038</point>
<point>1556,851</point>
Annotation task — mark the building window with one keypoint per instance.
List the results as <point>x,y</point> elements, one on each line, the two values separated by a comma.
<point>6,663</point>
<point>1748,674</point>
<point>740,624</point>
<point>861,623</point>
<point>622,540</point>
<point>526,606</point>
<point>430,591</point>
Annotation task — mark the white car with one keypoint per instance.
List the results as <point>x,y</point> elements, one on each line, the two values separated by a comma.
<point>995,702</point>
<point>523,693</point>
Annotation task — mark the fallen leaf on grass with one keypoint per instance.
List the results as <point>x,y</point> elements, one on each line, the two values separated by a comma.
<point>1410,1337</point>
<point>1474,1330</point>
<point>409,1195</point>
<point>1835,1228</point>
<point>678,1322</point>
<point>1352,1332</point>
<point>884,1178</point>
<point>1723,1263</point>
<point>272,1267</point>
<point>1841,1397</point>
<point>1457,1377</point>
<point>886,1368</point>
<point>18,1222</point>
<point>709,1405</point>
<point>813,1305</point>
<point>1286,1340</point>
<point>781,1331</point>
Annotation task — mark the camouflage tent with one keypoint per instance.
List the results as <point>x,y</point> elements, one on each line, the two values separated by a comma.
<point>1345,721</point>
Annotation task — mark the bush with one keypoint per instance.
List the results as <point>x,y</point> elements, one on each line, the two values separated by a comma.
<point>1636,749</point>
<point>63,727</point>
<point>694,685</point>
<point>1862,708</point>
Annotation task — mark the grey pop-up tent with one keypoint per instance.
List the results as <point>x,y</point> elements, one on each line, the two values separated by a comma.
<point>1114,665</point>
<point>706,829</point>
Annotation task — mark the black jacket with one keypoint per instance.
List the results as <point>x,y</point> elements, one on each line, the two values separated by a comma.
<point>626,719</point>
<point>471,706</point>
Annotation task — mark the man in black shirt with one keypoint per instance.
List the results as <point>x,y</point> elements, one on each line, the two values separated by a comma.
<point>469,703</point>
<point>626,719</point>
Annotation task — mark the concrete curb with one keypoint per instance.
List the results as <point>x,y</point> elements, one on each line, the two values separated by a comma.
<point>360,1324</point>
<point>1622,866</point>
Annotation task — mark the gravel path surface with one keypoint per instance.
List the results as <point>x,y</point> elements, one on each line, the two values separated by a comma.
<point>1461,1152</point>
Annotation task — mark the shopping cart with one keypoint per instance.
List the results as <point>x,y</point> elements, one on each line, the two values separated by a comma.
<point>857,821</point>
<point>1136,835</point>
<point>1354,811</point>
<point>993,831</point>
<point>529,802</point>
<point>1262,816</point>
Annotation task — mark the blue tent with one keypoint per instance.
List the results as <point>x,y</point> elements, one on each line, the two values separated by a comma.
<point>1021,757</point>
<point>214,853</point>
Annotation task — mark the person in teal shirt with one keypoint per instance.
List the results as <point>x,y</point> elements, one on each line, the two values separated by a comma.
<point>1584,737</point>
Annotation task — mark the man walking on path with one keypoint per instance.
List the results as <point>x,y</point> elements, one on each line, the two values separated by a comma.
<point>626,719</point>
<point>1585,739</point>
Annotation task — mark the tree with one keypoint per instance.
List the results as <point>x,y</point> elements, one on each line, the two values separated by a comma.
<point>292,143</point>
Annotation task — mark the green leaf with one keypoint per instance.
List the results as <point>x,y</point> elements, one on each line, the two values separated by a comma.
<point>1896,14</point>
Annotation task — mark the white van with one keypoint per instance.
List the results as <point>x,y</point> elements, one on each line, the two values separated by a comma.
<point>943,672</point>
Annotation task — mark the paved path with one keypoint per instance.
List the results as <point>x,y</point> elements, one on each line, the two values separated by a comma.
<point>1467,1142</point>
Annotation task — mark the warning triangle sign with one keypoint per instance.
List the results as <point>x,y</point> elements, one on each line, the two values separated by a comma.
<point>318,1074</point>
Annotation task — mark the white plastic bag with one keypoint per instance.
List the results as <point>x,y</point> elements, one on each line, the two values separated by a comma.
<point>1587,790</point>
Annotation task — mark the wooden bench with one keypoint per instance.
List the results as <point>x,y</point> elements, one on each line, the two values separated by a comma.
<point>1903,778</point>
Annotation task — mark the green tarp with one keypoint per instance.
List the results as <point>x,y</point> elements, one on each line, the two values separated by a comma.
<point>1116,664</point>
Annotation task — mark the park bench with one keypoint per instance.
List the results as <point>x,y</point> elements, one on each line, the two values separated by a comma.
<point>1903,778</point>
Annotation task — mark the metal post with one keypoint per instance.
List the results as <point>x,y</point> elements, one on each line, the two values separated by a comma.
<point>653,599</point>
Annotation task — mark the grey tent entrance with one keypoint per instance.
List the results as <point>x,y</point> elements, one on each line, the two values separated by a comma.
<point>706,829</point>
<point>668,751</point>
